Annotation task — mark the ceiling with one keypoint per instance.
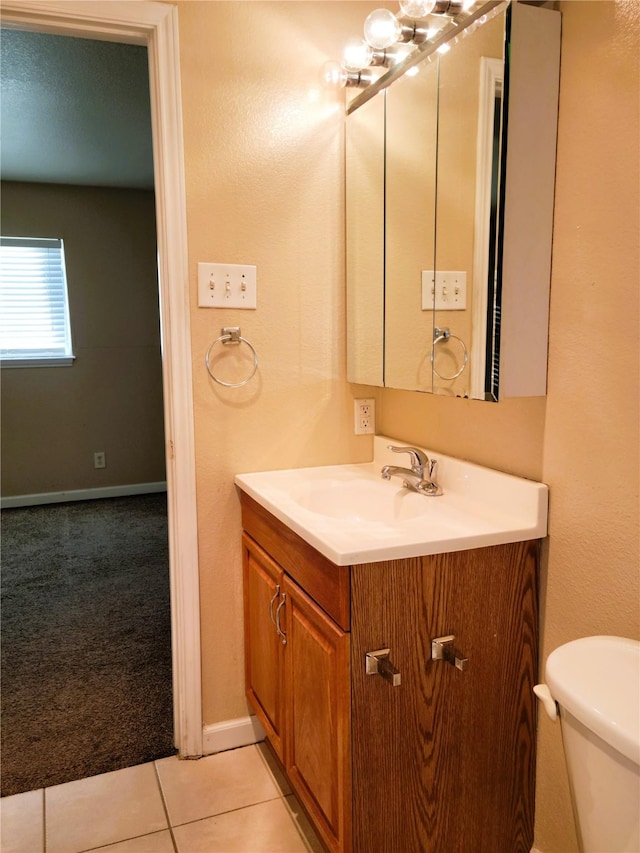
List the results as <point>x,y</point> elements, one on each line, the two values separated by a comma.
<point>74,111</point>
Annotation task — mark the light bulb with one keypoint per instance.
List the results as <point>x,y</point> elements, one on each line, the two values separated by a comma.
<point>333,74</point>
<point>444,48</point>
<point>417,8</point>
<point>381,29</point>
<point>357,55</point>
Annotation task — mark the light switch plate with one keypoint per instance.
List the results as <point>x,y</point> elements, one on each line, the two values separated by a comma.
<point>227,286</point>
<point>444,291</point>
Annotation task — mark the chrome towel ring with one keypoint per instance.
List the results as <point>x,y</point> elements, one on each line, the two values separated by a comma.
<point>231,335</point>
<point>444,334</point>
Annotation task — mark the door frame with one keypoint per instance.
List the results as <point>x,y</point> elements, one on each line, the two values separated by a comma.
<point>155,25</point>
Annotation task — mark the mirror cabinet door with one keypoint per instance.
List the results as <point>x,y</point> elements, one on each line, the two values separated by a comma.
<point>411,140</point>
<point>466,201</point>
<point>365,154</point>
<point>438,215</point>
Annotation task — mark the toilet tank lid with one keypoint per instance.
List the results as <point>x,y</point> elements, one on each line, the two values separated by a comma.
<point>597,679</point>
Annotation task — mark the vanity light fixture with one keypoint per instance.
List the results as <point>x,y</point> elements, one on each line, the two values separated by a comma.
<point>336,75</point>
<point>358,55</point>
<point>382,29</point>
<point>398,42</point>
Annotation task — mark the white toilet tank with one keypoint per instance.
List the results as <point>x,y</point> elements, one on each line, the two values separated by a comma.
<point>596,683</point>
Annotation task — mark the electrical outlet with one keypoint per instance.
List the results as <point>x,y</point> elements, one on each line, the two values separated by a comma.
<point>99,459</point>
<point>365,416</point>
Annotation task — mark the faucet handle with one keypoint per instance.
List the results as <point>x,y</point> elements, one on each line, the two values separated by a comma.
<point>418,457</point>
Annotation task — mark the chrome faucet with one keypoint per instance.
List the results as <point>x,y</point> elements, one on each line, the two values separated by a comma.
<point>414,478</point>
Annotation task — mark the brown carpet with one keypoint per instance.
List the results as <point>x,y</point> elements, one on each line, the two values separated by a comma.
<point>86,640</point>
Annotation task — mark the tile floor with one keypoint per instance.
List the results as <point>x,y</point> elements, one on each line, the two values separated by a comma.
<point>232,802</point>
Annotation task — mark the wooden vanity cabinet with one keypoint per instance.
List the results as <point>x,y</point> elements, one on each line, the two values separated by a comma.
<point>297,669</point>
<point>442,763</point>
<point>459,745</point>
<point>264,650</point>
<point>318,739</point>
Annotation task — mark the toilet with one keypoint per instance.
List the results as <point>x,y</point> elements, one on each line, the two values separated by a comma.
<point>594,682</point>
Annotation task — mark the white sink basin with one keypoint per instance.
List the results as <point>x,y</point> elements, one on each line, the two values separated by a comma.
<point>362,499</point>
<point>351,515</point>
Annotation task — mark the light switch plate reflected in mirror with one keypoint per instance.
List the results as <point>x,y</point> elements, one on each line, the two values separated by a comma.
<point>444,291</point>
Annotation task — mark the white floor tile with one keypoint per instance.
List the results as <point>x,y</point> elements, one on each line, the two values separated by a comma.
<point>104,809</point>
<point>157,842</point>
<point>22,823</point>
<point>234,802</point>
<point>263,828</point>
<point>215,784</point>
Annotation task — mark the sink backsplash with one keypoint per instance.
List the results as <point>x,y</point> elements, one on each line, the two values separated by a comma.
<point>470,481</point>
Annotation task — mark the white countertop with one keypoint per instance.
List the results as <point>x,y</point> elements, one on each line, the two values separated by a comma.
<point>351,515</point>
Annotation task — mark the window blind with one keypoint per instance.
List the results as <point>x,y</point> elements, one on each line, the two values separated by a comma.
<point>34,308</point>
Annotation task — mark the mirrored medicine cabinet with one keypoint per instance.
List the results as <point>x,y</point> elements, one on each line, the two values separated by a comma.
<point>449,198</point>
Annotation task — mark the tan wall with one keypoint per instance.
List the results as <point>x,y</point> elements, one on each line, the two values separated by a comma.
<point>584,441</point>
<point>110,399</point>
<point>591,584</point>
<point>508,435</point>
<point>265,186</point>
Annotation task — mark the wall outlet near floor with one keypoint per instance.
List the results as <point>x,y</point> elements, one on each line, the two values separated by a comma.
<point>99,459</point>
<point>365,416</point>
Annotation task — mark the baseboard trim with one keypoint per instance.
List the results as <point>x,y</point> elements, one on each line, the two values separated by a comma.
<point>231,734</point>
<point>82,494</point>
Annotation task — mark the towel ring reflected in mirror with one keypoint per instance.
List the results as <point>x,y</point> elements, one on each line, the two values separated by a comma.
<point>444,335</point>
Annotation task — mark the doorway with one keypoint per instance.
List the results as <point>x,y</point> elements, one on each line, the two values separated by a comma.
<point>155,25</point>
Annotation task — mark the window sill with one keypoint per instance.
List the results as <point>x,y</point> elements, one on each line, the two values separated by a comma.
<point>67,361</point>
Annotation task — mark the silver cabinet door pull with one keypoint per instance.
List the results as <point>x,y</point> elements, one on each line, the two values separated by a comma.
<point>442,648</point>
<point>378,663</point>
<point>281,633</point>
<point>272,602</point>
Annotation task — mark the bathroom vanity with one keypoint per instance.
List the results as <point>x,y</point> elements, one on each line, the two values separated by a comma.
<point>397,692</point>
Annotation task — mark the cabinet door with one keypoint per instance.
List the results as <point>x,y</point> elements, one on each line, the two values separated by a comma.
<point>318,729</point>
<point>445,762</point>
<point>264,650</point>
